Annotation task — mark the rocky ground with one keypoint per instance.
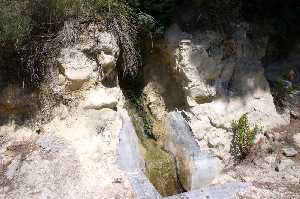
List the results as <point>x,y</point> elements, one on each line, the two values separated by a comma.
<point>273,167</point>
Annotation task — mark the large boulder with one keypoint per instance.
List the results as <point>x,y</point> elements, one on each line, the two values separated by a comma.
<point>193,66</point>
<point>196,168</point>
<point>102,97</point>
<point>73,158</point>
<point>93,58</point>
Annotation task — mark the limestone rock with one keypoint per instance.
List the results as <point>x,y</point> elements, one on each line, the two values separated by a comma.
<point>76,158</point>
<point>228,190</point>
<point>294,103</point>
<point>154,100</point>
<point>196,168</point>
<point>50,144</point>
<point>193,83</point>
<point>200,64</point>
<point>297,139</point>
<point>142,186</point>
<point>99,98</point>
<point>287,73</point>
<point>129,157</point>
<point>289,152</point>
<point>192,65</point>
<point>246,92</point>
<point>95,56</point>
<point>11,170</point>
<point>105,47</point>
<point>76,67</point>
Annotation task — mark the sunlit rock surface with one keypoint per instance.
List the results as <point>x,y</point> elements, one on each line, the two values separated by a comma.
<point>196,168</point>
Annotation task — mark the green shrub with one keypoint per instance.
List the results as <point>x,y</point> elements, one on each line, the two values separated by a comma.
<point>20,18</point>
<point>15,25</point>
<point>137,100</point>
<point>243,136</point>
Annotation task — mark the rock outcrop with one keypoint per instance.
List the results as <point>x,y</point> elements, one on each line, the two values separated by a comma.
<point>93,58</point>
<point>75,154</point>
<point>284,77</point>
<point>179,136</point>
<point>222,79</point>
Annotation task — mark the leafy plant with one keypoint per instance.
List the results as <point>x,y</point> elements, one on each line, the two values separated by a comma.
<point>243,136</point>
<point>20,18</point>
<point>136,99</point>
<point>14,24</point>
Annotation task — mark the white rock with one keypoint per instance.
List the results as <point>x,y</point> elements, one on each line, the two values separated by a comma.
<point>250,94</point>
<point>99,98</point>
<point>289,152</point>
<point>76,67</point>
<point>297,139</point>
<point>13,167</point>
<point>130,158</point>
<point>105,48</point>
<point>97,51</point>
<point>82,162</point>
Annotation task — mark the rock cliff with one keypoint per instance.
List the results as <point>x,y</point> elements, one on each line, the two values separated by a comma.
<point>90,130</point>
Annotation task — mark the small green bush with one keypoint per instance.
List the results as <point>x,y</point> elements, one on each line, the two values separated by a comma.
<point>21,18</point>
<point>15,25</point>
<point>243,136</point>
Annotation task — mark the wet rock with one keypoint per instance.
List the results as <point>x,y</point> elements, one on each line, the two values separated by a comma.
<point>129,154</point>
<point>196,168</point>
<point>154,101</point>
<point>142,187</point>
<point>289,152</point>
<point>14,99</point>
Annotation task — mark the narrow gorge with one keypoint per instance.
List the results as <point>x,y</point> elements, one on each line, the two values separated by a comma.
<point>149,99</point>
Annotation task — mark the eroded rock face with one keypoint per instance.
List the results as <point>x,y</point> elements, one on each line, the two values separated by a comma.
<point>101,97</point>
<point>95,56</point>
<point>222,78</point>
<point>192,65</point>
<point>76,67</point>
<point>73,158</point>
<point>75,154</point>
